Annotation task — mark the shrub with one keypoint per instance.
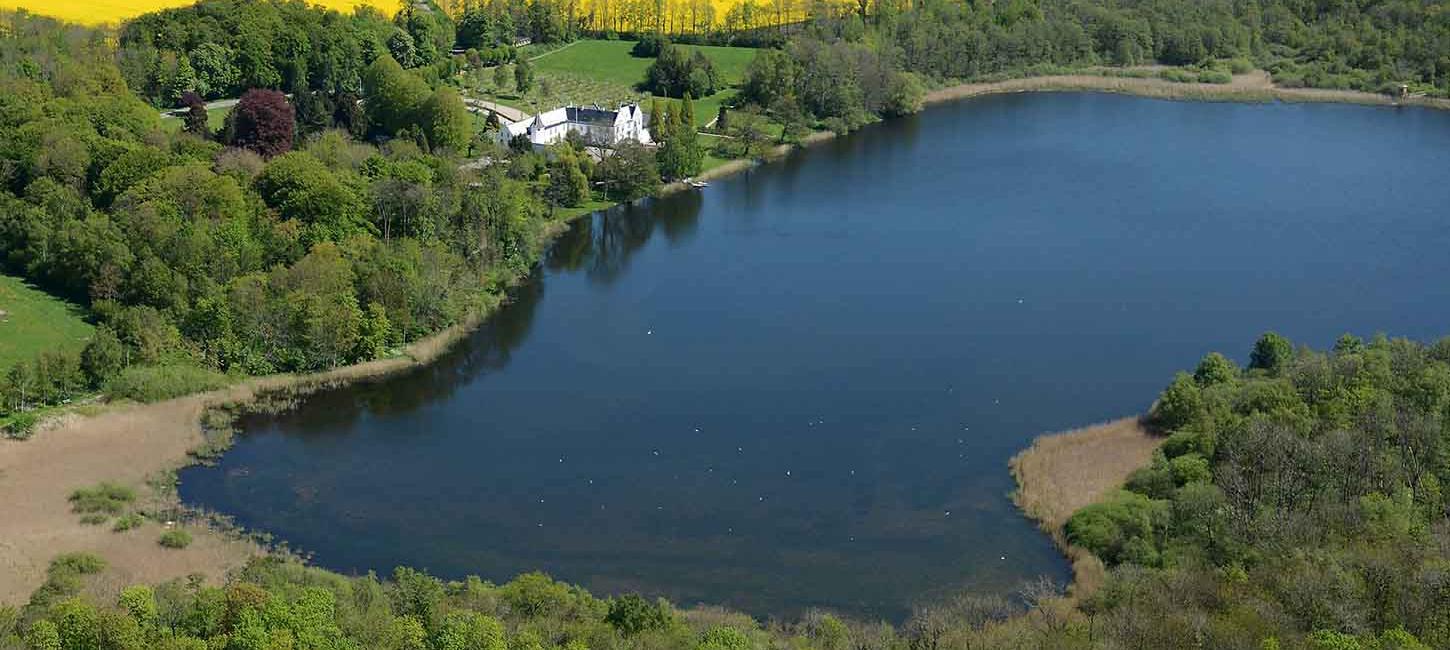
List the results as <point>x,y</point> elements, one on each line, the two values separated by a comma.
<point>156,383</point>
<point>108,498</point>
<point>1190,442</point>
<point>1215,369</point>
<point>95,519</point>
<point>1154,481</point>
<point>1180,404</point>
<point>22,425</point>
<point>1240,65</point>
<point>1190,468</point>
<point>1214,77</point>
<point>1271,352</point>
<point>176,538</point>
<point>128,521</point>
<point>632,614</point>
<point>649,46</point>
<point>77,564</point>
<point>1178,76</point>
<point>723,638</point>
<point>1122,528</point>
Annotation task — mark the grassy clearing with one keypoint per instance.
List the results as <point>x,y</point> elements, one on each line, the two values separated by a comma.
<point>1063,472</point>
<point>215,119</point>
<point>32,321</point>
<point>610,61</point>
<point>604,73</point>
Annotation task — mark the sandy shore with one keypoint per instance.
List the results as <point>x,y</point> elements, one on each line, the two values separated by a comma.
<point>129,444</point>
<point>1249,87</point>
<point>1062,472</point>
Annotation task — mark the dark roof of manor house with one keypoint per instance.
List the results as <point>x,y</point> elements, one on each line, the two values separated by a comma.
<point>591,115</point>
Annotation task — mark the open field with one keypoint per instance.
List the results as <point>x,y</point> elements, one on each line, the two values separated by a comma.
<point>603,72</point>
<point>1063,472</point>
<point>32,320</point>
<point>96,12</point>
<point>611,61</point>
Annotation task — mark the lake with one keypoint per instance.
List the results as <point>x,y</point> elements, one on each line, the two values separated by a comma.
<point>800,387</point>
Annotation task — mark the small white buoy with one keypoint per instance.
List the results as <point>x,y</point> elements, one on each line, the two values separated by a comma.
<point>787,472</point>
<point>949,513</point>
<point>1019,301</point>
<point>1002,558</point>
<point>649,331</point>
<point>697,429</point>
<point>655,452</point>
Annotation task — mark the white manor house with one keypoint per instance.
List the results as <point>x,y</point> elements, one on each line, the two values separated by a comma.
<point>600,127</point>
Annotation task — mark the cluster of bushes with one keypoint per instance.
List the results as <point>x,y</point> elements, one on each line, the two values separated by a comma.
<point>675,71</point>
<point>1298,502</point>
<point>275,604</point>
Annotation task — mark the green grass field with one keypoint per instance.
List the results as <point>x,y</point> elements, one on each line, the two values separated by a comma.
<point>215,118</point>
<point>603,72</point>
<point>610,61</point>
<point>34,321</point>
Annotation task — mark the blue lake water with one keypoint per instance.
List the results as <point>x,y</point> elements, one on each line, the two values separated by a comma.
<point>800,387</point>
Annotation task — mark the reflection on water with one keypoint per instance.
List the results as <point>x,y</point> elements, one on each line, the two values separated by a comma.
<point>800,387</point>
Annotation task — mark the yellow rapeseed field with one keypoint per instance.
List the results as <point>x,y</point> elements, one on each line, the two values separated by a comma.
<point>95,12</point>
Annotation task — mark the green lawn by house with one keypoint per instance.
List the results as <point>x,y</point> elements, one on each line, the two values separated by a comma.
<point>604,73</point>
<point>215,118</point>
<point>34,321</point>
<point>611,61</point>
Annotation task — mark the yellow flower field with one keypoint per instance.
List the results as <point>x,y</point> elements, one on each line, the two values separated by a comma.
<point>94,12</point>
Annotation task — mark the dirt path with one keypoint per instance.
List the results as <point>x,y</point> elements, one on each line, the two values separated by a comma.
<point>508,113</point>
<point>1062,472</point>
<point>128,444</point>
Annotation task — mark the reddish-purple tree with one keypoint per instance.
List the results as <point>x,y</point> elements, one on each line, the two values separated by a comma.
<point>264,122</point>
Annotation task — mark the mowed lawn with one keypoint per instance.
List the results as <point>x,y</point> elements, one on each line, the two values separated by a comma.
<point>604,72</point>
<point>611,61</point>
<point>215,119</point>
<point>34,321</point>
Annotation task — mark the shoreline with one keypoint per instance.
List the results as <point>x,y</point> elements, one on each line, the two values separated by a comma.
<point>1250,87</point>
<point>1059,473</point>
<point>132,443</point>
